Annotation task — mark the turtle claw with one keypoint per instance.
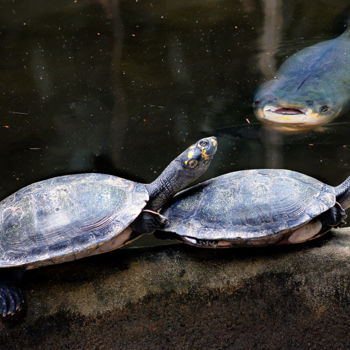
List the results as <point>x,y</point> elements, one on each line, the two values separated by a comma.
<point>149,221</point>
<point>10,299</point>
<point>163,220</point>
<point>157,221</point>
<point>342,223</point>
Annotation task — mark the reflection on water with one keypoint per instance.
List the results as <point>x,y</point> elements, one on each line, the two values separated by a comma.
<point>270,38</point>
<point>121,87</point>
<point>324,155</point>
<point>269,42</point>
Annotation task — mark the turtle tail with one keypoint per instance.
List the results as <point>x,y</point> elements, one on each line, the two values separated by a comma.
<point>342,193</point>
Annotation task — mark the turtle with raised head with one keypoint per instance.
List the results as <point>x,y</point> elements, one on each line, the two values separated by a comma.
<point>74,216</point>
<point>256,208</point>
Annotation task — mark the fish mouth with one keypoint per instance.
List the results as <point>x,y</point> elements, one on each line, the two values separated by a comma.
<point>281,114</point>
<point>288,111</point>
<point>290,118</point>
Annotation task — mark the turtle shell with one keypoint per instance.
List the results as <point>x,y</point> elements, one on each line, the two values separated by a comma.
<point>66,216</point>
<point>248,205</point>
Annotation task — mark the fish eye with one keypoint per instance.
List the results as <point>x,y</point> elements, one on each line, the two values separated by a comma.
<point>309,102</point>
<point>324,108</point>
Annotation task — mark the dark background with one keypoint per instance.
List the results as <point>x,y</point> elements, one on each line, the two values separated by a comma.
<point>122,87</point>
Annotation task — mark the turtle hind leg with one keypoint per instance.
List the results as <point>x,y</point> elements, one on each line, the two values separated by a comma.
<point>333,217</point>
<point>11,297</point>
<point>344,199</point>
<point>148,221</point>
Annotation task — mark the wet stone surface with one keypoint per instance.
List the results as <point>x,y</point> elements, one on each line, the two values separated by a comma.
<point>179,297</point>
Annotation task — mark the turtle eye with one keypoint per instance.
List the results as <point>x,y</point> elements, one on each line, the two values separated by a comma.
<point>324,108</point>
<point>203,143</point>
<point>193,163</point>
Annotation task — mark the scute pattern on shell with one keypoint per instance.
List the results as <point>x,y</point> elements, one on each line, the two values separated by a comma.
<point>65,216</point>
<point>248,204</point>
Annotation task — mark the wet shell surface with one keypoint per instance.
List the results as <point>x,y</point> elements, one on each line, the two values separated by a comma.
<point>66,217</point>
<point>248,205</point>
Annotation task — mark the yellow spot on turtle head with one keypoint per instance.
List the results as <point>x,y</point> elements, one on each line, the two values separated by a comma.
<point>214,142</point>
<point>190,154</point>
<point>191,147</point>
<point>186,161</point>
<point>204,154</point>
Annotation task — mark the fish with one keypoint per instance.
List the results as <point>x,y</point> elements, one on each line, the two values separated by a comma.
<point>310,89</point>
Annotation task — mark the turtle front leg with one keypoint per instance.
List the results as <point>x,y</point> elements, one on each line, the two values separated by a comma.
<point>11,297</point>
<point>148,221</point>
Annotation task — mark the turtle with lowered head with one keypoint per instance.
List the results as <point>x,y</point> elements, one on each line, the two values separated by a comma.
<point>256,208</point>
<point>70,217</point>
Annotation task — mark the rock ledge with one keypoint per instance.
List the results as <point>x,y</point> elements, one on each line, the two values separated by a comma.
<point>180,297</point>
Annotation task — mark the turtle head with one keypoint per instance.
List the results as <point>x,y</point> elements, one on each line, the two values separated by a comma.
<point>182,171</point>
<point>197,157</point>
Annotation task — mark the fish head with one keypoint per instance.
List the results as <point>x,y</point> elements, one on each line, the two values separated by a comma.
<point>282,106</point>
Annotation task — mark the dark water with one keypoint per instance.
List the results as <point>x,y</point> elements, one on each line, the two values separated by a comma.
<point>122,87</point>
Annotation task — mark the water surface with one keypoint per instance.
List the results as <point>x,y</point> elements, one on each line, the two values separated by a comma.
<point>122,87</point>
